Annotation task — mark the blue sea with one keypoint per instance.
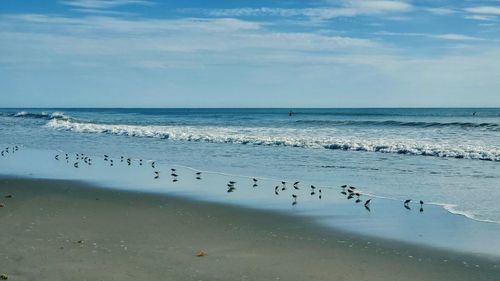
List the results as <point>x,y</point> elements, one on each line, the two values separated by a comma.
<point>447,157</point>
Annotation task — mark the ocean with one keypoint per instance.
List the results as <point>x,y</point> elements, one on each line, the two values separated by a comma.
<point>444,156</point>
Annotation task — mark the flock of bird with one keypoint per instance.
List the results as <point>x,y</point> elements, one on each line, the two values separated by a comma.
<point>350,192</point>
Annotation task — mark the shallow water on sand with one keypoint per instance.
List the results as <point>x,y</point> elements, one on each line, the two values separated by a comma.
<point>384,218</point>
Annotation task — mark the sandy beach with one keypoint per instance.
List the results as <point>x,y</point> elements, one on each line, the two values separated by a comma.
<point>64,230</point>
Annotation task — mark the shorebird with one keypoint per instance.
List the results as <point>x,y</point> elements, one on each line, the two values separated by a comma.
<point>231,189</point>
<point>313,187</point>
<point>294,197</point>
<point>198,173</point>
<point>276,188</point>
<point>255,185</point>
<point>173,170</point>
<point>343,192</point>
<point>232,182</point>
<point>367,203</point>
<point>358,200</point>
<point>153,164</point>
<point>254,180</point>
<point>313,193</point>
<point>283,182</point>
<point>421,206</point>
<point>352,187</point>
<point>344,186</point>
<point>174,175</point>
<point>297,182</point>
<point>157,174</point>
<point>407,202</point>
<point>111,162</point>
<point>121,158</point>
<point>75,165</point>
<point>57,156</point>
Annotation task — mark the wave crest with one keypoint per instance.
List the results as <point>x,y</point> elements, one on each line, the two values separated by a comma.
<point>280,137</point>
<point>42,115</point>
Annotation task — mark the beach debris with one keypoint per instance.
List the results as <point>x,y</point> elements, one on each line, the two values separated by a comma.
<point>201,253</point>
<point>4,276</point>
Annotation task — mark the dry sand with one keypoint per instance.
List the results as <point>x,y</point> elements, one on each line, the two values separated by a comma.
<point>62,230</point>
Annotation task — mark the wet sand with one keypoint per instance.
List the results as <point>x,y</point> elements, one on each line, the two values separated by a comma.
<point>67,230</point>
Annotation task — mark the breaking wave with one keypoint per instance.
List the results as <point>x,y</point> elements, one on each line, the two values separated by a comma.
<point>42,115</point>
<point>318,138</point>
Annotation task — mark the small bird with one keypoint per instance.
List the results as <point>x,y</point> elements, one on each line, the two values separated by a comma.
<point>407,202</point>
<point>283,182</point>
<point>254,180</point>
<point>367,203</point>
<point>198,173</point>
<point>232,182</point>
<point>313,193</point>
<point>344,186</point>
<point>294,197</point>
<point>343,192</point>
<point>352,187</point>
<point>157,175</point>
<point>57,157</point>
<point>75,165</point>
<point>231,189</point>
<point>153,164</point>
<point>313,187</point>
<point>173,170</point>
<point>174,175</point>
<point>255,185</point>
<point>358,200</point>
<point>140,162</point>
<point>297,182</point>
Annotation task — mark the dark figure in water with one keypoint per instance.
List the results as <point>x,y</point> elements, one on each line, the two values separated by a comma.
<point>367,205</point>
<point>290,113</point>
<point>406,204</point>
<point>421,206</point>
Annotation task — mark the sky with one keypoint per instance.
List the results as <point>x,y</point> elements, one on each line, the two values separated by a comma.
<point>324,53</point>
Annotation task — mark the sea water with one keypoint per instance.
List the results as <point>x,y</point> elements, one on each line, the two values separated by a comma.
<point>448,157</point>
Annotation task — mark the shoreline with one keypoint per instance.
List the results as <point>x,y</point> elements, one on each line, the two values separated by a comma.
<point>238,241</point>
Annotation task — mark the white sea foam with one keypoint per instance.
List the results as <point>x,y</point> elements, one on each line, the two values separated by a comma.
<point>293,137</point>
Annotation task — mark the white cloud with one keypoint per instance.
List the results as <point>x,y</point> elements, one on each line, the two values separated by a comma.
<point>103,4</point>
<point>154,43</point>
<point>480,17</point>
<point>446,36</point>
<point>488,10</point>
<point>440,11</point>
<point>347,9</point>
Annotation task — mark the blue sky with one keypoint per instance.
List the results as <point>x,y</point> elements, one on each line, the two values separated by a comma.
<point>345,53</point>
